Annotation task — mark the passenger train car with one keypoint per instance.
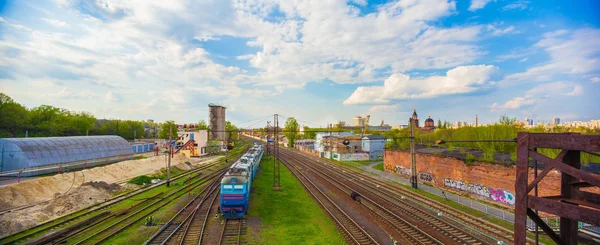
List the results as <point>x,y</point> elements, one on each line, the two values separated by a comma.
<point>237,183</point>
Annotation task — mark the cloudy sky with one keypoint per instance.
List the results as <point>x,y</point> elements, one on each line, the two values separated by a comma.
<point>320,61</point>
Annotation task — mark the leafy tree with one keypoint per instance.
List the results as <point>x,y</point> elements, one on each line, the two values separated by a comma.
<point>13,116</point>
<point>309,133</point>
<point>505,120</point>
<point>202,125</point>
<point>232,131</point>
<point>291,130</point>
<point>439,125</point>
<point>164,130</point>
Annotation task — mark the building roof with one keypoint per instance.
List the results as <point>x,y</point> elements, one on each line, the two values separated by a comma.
<point>429,119</point>
<point>20,153</point>
<point>374,137</point>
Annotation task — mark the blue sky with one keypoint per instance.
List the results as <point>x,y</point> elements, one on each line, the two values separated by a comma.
<point>319,61</point>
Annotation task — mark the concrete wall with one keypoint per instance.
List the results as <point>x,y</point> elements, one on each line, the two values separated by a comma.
<point>490,182</point>
<point>351,157</point>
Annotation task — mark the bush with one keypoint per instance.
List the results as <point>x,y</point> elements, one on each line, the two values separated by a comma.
<point>141,180</point>
<point>469,159</point>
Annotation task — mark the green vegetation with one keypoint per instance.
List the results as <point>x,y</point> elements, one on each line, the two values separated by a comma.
<point>46,121</point>
<point>289,216</point>
<point>202,125</point>
<point>379,167</point>
<point>140,180</point>
<point>139,157</point>
<point>164,130</point>
<point>505,129</point>
<point>291,130</point>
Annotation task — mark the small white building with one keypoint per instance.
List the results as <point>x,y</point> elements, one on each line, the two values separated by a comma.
<point>200,138</point>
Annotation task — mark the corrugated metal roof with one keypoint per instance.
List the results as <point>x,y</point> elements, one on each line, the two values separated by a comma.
<point>20,153</point>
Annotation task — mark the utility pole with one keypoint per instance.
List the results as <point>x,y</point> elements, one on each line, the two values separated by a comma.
<point>133,135</point>
<point>276,176</point>
<point>330,141</point>
<point>267,137</point>
<point>413,168</point>
<point>170,150</point>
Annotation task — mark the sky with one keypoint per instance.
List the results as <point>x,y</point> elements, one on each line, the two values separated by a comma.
<point>317,61</point>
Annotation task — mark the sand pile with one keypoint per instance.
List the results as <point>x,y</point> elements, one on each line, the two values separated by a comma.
<point>47,188</point>
<point>81,197</point>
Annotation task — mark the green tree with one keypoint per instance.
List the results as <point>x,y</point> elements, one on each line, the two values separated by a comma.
<point>202,125</point>
<point>164,130</point>
<point>439,125</point>
<point>13,116</point>
<point>291,130</point>
<point>505,120</point>
<point>309,133</point>
<point>232,131</point>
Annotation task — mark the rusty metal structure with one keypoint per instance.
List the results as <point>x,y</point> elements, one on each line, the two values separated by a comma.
<point>573,204</point>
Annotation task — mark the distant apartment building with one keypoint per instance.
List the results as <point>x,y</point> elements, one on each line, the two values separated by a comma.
<point>359,121</point>
<point>556,121</point>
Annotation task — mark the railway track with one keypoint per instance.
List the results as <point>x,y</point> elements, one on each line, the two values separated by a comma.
<point>109,228</point>
<point>353,232</point>
<point>188,225</point>
<point>70,226</point>
<point>395,211</point>
<point>233,229</point>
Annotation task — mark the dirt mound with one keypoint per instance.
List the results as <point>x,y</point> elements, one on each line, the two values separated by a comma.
<point>84,196</point>
<point>103,185</point>
<point>48,188</point>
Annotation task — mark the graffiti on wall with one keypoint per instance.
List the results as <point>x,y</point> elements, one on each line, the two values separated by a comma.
<point>427,177</point>
<point>402,170</point>
<point>497,195</point>
<point>352,157</point>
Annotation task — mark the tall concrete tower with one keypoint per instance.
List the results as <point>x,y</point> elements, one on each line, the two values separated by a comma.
<point>216,115</point>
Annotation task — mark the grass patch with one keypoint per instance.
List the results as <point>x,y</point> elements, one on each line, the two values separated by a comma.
<point>289,216</point>
<point>139,157</point>
<point>140,180</point>
<point>379,167</point>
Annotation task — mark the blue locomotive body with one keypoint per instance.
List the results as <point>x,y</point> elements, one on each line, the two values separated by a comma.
<point>237,183</point>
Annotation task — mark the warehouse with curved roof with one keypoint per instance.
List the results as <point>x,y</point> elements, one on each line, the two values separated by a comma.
<point>18,154</point>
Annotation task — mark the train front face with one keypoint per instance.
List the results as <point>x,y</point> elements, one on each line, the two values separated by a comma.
<point>234,195</point>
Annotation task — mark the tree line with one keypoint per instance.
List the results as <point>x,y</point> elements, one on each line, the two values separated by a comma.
<point>17,121</point>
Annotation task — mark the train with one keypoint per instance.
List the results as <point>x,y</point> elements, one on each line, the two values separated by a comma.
<point>236,184</point>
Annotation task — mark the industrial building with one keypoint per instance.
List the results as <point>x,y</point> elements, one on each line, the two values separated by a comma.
<point>216,115</point>
<point>34,156</point>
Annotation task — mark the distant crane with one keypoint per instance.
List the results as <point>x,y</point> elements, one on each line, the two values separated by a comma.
<point>365,126</point>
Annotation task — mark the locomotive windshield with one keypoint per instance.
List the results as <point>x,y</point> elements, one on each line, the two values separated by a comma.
<point>234,179</point>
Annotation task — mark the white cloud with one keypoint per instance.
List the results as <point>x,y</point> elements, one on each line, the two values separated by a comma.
<point>66,93</point>
<point>462,79</point>
<point>478,4</point>
<point>113,97</point>
<point>385,108</point>
<point>556,33</point>
<point>495,31</point>
<point>512,104</point>
<point>360,2</point>
<point>540,93</point>
<point>56,23</point>
<point>518,5</point>
<point>596,80</point>
<point>575,54</point>
<point>577,90</point>
<point>2,20</point>
<point>523,60</point>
